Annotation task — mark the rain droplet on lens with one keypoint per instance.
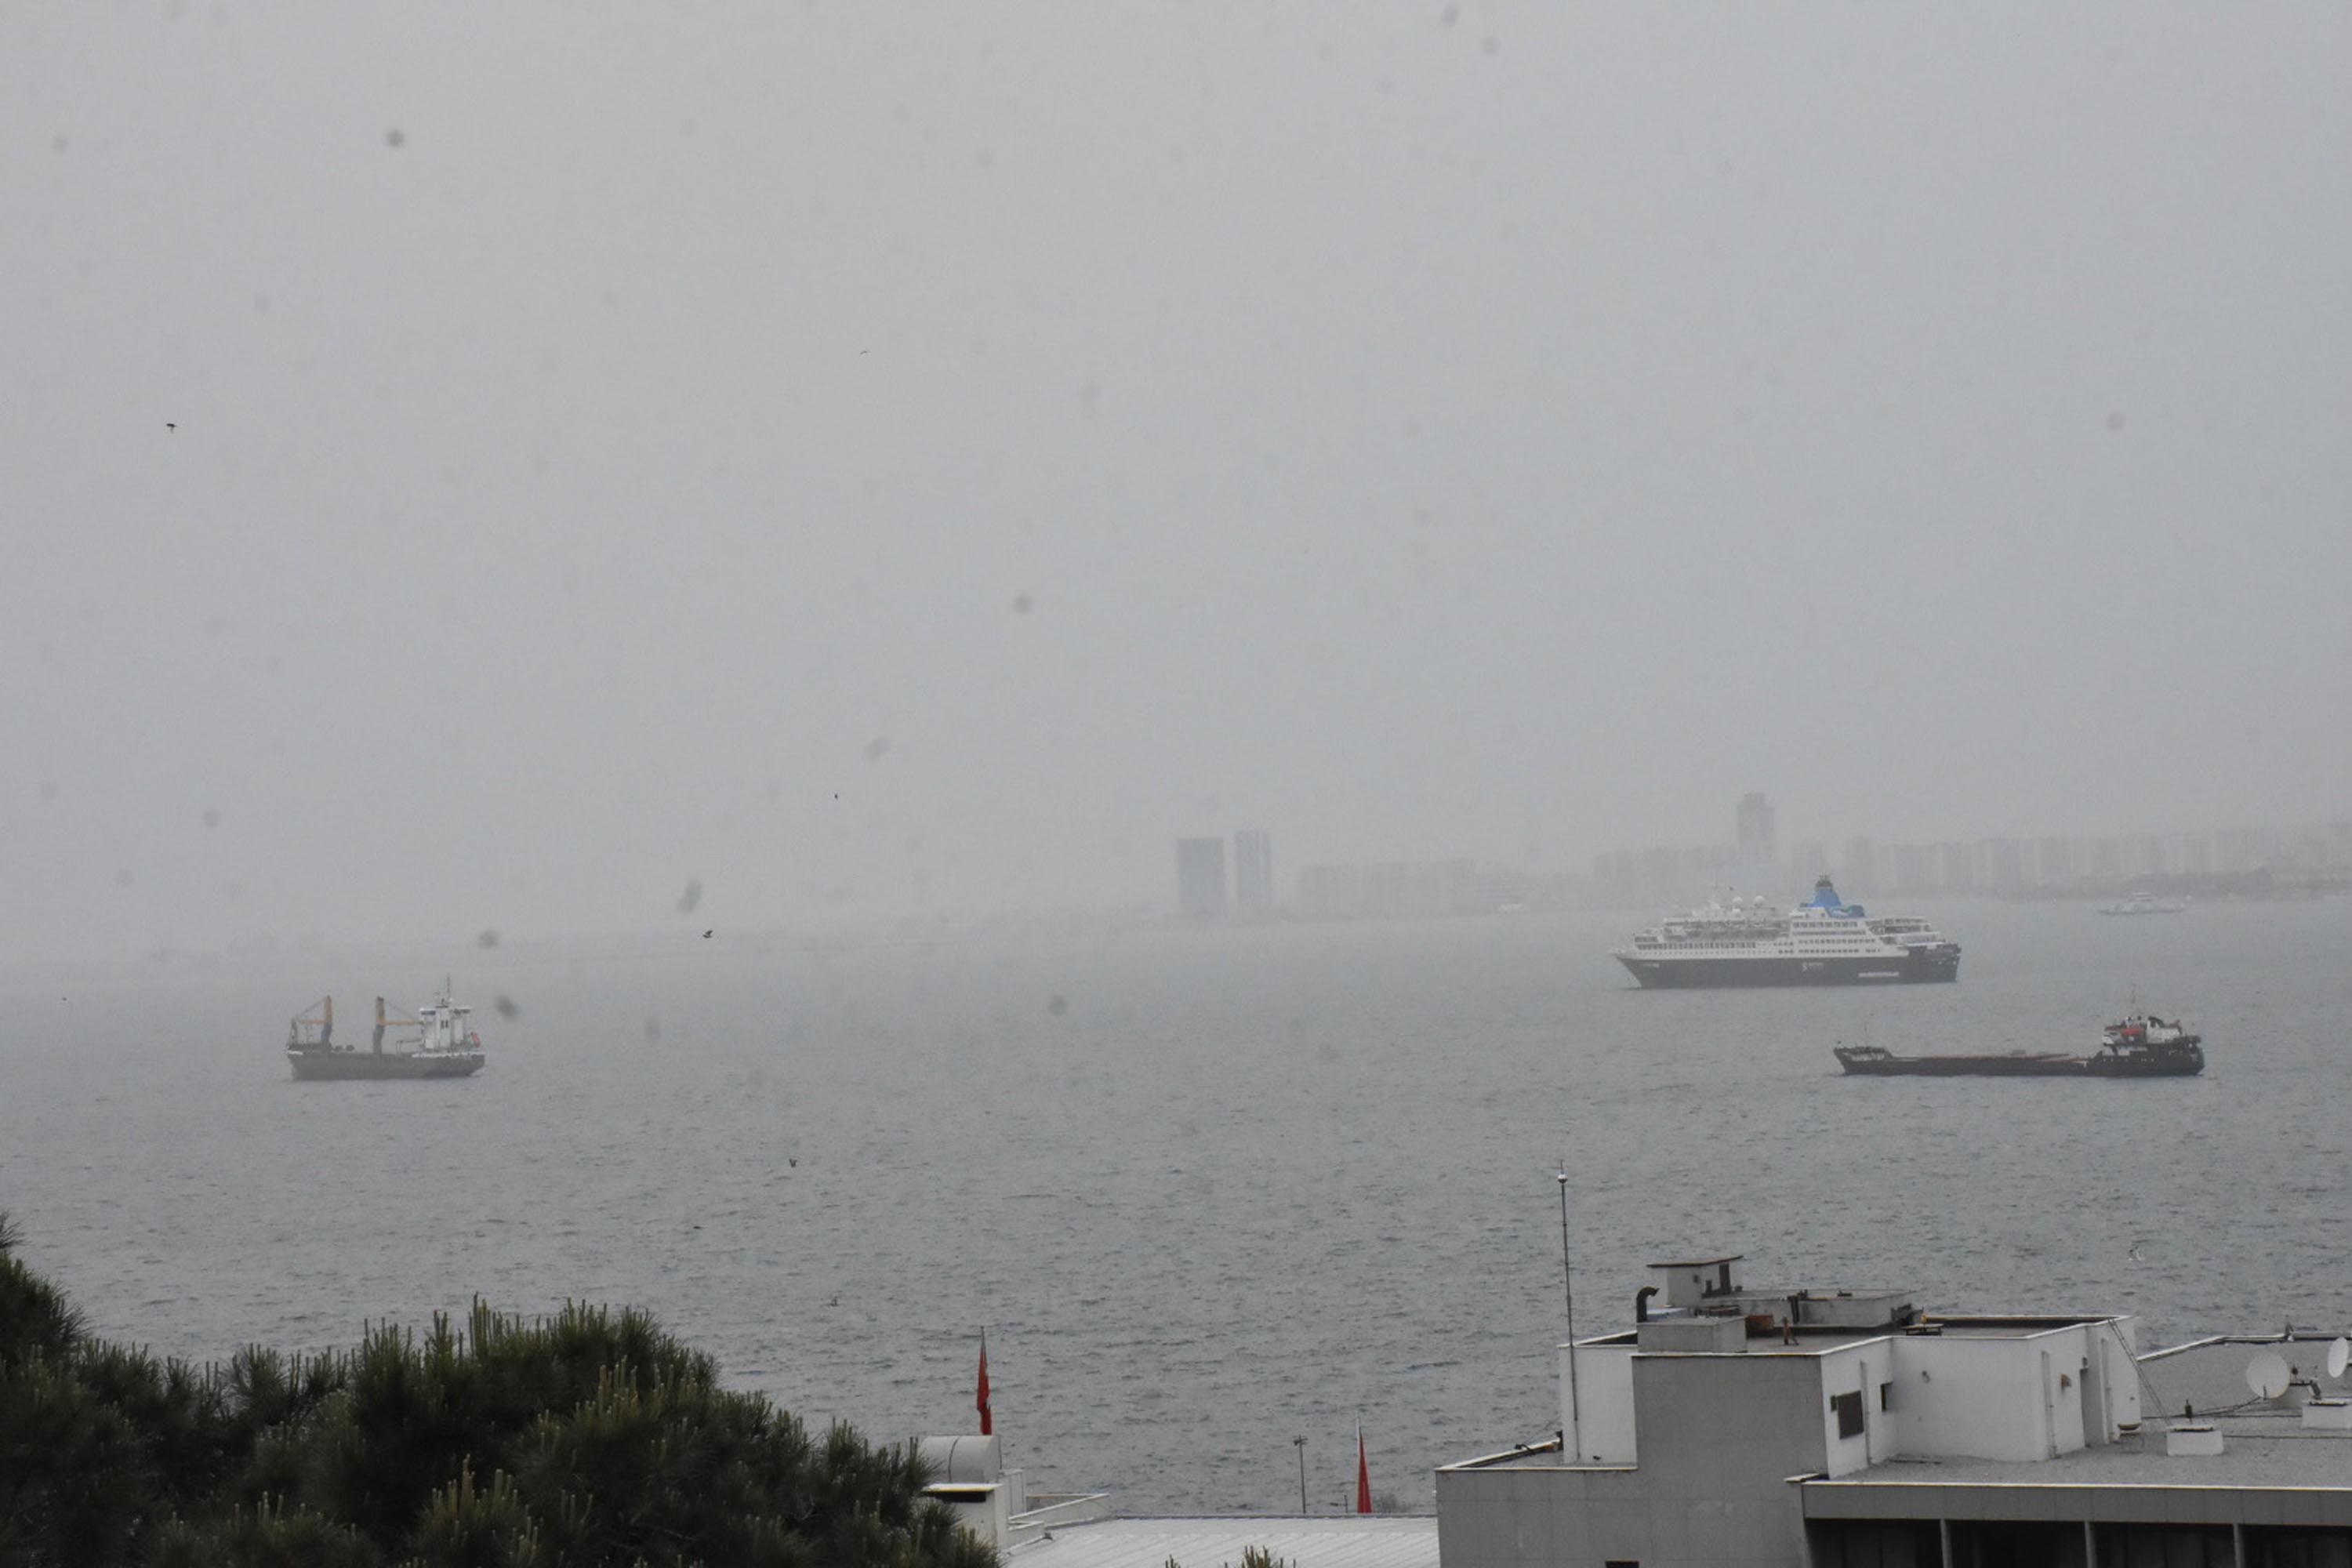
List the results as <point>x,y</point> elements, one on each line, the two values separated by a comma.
<point>489,938</point>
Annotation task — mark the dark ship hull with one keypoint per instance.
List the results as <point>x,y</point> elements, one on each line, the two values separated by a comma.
<point>1914,968</point>
<point>1870,1061</point>
<point>321,1065</point>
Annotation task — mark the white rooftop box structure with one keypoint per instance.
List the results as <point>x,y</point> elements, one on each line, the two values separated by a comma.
<point>1689,1283</point>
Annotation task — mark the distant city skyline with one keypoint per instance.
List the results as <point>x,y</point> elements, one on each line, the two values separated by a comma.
<point>2248,861</point>
<point>2316,854</point>
<point>1420,433</point>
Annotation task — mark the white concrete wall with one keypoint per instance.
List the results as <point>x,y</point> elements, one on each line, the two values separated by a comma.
<point>1857,1369</point>
<point>1605,1398</point>
<point>1960,1397</point>
<point>1968,1398</point>
<point>2118,1344</point>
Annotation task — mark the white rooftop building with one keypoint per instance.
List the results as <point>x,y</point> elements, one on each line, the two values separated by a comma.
<point>1849,1429</point>
<point>1078,1529</point>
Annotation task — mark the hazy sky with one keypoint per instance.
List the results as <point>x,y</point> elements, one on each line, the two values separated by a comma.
<point>881,456</point>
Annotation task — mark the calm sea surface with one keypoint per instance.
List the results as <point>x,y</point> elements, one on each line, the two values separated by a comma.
<point>1236,1187</point>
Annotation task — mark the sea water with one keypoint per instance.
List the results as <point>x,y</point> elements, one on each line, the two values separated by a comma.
<point>1208,1189</point>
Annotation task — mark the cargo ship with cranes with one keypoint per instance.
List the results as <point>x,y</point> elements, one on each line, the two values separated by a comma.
<point>438,1042</point>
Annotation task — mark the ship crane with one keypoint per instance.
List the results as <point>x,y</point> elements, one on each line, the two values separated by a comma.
<point>320,1020</point>
<point>382,1021</point>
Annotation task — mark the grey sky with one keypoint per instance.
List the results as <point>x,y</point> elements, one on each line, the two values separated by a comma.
<point>1497,430</point>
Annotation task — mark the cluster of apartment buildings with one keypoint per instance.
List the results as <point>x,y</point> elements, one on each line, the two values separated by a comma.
<point>1359,890</point>
<point>1200,875</point>
<point>2244,862</point>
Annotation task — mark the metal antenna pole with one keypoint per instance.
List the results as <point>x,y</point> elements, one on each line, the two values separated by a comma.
<point>1568,1302</point>
<point>1300,1444</point>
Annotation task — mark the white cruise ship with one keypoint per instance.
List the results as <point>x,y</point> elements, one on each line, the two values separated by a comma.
<point>1826,941</point>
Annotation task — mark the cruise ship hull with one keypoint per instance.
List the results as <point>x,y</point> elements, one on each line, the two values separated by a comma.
<point>1668,974</point>
<point>322,1065</point>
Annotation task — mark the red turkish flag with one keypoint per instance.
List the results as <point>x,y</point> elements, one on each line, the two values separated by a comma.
<point>1363,1476</point>
<point>987,1420</point>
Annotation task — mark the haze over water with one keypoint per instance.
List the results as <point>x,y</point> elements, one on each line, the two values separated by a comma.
<point>480,466</point>
<point>1246,1184</point>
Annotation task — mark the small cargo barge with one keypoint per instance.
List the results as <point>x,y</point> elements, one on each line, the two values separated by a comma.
<point>2140,1046</point>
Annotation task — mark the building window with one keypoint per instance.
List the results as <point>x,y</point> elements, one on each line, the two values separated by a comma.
<point>1848,1407</point>
<point>2292,1546</point>
<point>2185,1546</point>
<point>1871,1544</point>
<point>1886,1396</point>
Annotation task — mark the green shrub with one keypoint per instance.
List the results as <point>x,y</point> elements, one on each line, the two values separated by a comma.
<point>581,1441</point>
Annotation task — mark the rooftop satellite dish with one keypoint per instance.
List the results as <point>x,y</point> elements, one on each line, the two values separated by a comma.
<point>2267,1374</point>
<point>2339,1356</point>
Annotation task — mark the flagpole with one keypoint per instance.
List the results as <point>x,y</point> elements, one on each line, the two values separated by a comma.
<point>1575,1433</point>
<point>979,1397</point>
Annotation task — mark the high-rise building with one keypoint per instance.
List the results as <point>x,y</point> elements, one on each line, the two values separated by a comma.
<point>2001,866</point>
<point>2054,860</point>
<point>2196,853</point>
<point>1254,870</point>
<point>1330,891</point>
<point>1756,845</point>
<point>1859,872</point>
<point>1201,875</point>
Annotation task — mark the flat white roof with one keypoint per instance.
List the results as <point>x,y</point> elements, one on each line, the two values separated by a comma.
<point>1351,1541</point>
<point>2273,1451</point>
<point>2210,1374</point>
<point>1814,1341</point>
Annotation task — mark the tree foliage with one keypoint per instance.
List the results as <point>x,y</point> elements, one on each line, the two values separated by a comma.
<point>578,1440</point>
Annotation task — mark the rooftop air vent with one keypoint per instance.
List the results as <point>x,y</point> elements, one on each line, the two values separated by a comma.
<point>2195,1439</point>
